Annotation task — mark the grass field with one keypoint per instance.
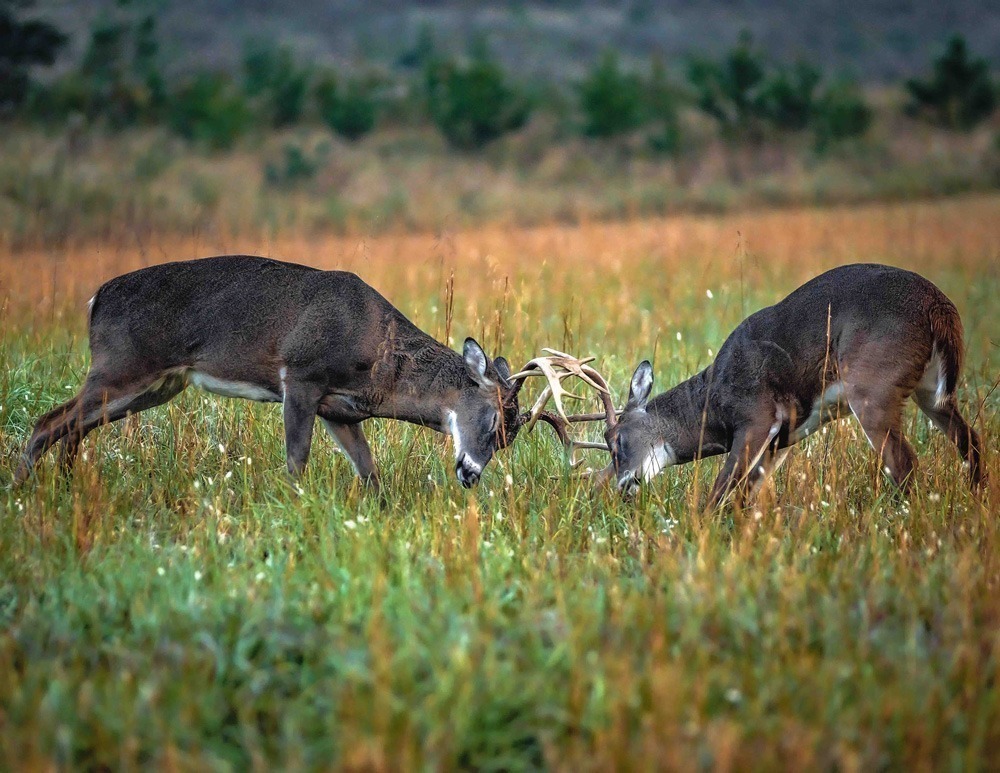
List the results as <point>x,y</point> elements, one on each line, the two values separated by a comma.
<point>179,605</point>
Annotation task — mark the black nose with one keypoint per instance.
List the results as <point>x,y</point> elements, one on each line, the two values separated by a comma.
<point>467,478</point>
<point>628,485</point>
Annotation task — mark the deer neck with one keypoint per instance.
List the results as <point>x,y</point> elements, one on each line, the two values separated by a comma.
<point>418,380</point>
<point>687,422</point>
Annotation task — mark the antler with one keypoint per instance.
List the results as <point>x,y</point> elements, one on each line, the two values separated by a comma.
<point>555,368</point>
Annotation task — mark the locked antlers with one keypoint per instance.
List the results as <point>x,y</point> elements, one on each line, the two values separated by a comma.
<point>555,368</point>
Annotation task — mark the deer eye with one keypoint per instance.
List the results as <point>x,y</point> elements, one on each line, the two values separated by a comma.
<point>494,422</point>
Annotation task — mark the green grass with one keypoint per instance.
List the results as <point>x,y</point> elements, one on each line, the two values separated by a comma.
<point>179,604</point>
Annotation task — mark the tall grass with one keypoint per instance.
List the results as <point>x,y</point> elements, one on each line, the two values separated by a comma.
<point>179,604</point>
<point>57,188</point>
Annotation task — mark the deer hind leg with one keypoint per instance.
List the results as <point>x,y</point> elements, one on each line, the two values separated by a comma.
<point>95,405</point>
<point>39,443</point>
<point>945,415</point>
<point>768,465</point>
<point>880,413</point>
<point>352,442</point>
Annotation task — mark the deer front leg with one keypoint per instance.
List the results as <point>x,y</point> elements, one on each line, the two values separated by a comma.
<point>751,444</point>
<point>301,401</point>
<point>352,442</point>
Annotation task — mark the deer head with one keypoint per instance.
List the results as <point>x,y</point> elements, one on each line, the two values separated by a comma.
<point>638,451</point>
<point>485,415</point>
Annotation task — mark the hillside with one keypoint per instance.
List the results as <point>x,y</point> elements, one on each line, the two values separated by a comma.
<point>877,41</point>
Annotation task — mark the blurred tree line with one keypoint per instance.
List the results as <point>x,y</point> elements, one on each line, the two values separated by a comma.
<point>120,82</point>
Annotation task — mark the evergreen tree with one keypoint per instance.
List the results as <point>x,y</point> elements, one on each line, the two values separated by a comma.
<point>959,92</point>
<point>23,44</point>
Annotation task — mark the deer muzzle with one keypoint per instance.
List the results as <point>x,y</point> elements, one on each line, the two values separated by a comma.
<point>467,471</point>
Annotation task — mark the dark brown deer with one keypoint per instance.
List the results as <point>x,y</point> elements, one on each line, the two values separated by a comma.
<point>322,343</point>
<point>859,340</point>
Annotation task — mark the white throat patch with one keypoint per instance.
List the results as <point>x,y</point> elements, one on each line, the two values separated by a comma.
<point>660,457</point>
<point>451,419</point>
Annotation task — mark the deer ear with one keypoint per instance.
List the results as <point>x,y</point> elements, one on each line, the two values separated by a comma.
<point>642,385</point>
<point>503,370</point>
<point>476,362</point>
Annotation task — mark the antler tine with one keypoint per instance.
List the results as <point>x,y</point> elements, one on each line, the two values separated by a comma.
<point>555,367</point>
<point>610,414</point>
<point>568,357</point>
<point>536,409</point>
<point>543,366</point>
<point>570,444</point>
<point>581,370</point>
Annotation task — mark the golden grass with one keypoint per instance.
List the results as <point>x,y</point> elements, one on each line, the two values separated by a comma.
<point>594,269</point>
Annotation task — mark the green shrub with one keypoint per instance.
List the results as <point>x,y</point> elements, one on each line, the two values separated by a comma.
<point>731,90</point>
<point>349,111</point>
<point>119,79</point>
<point>661,107</point>
<point>959,94</point>
<point>473,104</point>
<point>208,109</point>
<point>789,96</point>
<point>272,77</point>
<point>611,99</point>
<point>295,166</point>
<point>56,101</point>
<point>23,45</point>
<point>840,113</point>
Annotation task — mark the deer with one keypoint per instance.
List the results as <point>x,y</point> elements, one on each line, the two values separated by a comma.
<point>858,340</point>
<point>322,343</point>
